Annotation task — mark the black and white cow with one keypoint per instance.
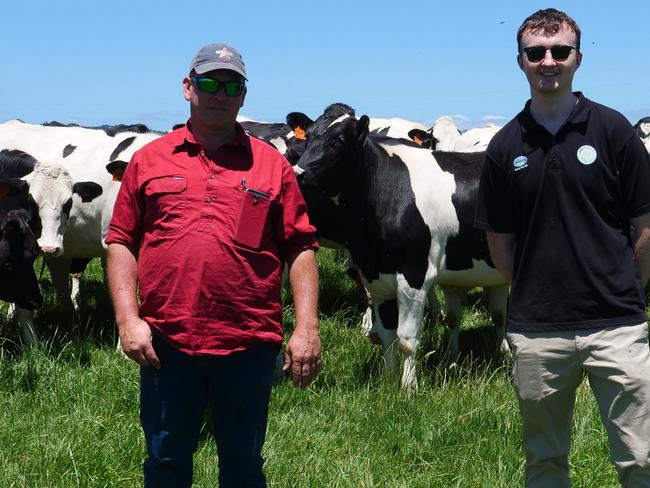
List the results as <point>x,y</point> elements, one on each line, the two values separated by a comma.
<point>394,127</point>
<point>405,214</point>
<point>18,246</point>
<point>72,189</point>
<point>643,130</point>
<point>444,135</point>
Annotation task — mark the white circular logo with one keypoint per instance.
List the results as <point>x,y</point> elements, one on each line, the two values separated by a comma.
<point>520,162</point>
<point>586,154</point>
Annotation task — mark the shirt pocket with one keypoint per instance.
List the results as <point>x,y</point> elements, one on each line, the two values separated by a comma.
<point>251,218</point>
<point>166,202</point>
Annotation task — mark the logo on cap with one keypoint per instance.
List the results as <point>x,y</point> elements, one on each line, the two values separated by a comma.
<point>520,162</point>
<point>586,154</point>
<point>224,54</point>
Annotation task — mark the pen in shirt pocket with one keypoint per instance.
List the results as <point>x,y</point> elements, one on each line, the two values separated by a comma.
<point>253,191</point>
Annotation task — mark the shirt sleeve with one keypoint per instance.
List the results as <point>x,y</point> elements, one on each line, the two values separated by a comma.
<point>293,231</point>
<point>126,224</point>
<point>494,210</point>
<point>634,177</point>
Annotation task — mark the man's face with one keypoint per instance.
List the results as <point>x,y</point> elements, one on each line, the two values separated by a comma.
<point>214,111</point>
<point>550,76</point>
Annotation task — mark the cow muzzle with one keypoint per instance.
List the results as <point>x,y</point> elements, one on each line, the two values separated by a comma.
<point>51,251</point>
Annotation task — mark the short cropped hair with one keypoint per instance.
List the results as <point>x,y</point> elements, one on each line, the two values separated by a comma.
<point>550,21</point>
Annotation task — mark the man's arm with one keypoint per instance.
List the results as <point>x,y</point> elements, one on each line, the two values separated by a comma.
<point>302,354</point>
<point>135,333</point>
<point>502,252</point>
<point>641,243</point>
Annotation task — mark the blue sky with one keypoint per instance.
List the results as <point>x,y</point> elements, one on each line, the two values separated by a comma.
<point>96,63</point>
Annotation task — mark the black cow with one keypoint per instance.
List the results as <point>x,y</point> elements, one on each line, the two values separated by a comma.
<point>18,246</point>
<point>405,214</point>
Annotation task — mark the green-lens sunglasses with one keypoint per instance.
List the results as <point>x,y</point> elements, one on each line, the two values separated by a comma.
<point>233,88</point>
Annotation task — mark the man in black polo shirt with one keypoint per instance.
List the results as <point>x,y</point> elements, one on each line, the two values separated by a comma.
<point>565,201</point>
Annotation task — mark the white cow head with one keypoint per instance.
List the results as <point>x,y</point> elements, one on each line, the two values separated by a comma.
<point>445,132</point>
<point>51,188</point>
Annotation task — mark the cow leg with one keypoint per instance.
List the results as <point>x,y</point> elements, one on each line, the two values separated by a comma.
<point>384,330</point>
<point>497,306</point>
<point>11,311</point>
<point>434,303</point>
<point>364,297</point>
<point>367,326</point>
<point>104,263</point>
<point>77,268</point>
<point>25,319</point>
<point>410,305</point>
<point>60,272</point>
<point>453,316</point>
<point>74,294</point>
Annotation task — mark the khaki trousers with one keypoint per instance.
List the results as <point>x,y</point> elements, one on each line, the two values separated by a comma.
<point>549,366</point>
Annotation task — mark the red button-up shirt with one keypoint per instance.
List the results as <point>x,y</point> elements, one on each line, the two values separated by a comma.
<point>211,237</point>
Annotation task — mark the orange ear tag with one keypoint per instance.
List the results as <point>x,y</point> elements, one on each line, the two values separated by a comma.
<point>299,133</point>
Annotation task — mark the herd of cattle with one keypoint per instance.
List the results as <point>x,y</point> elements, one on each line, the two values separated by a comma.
<point>398,196</point>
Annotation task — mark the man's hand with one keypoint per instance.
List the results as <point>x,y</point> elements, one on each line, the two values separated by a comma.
<point>135,339</point>
<point>302,356</point>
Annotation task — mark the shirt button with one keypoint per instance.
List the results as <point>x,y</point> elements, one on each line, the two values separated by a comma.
<point>208,199</point>
<point>212,177</point>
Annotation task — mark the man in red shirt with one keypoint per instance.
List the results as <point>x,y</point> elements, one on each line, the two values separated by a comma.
<point>205,220</point>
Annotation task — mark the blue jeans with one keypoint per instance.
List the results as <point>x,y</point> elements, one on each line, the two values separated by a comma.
<point>172,403</point>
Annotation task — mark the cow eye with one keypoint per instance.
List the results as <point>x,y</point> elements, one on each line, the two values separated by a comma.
<point>67,206</point>
<point>337,141</point>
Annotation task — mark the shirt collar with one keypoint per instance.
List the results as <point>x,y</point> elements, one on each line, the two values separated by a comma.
<point>184,138</point>
<point>579,115</point>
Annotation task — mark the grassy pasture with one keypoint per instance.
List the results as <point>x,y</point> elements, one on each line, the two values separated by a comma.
<point>69,408</point>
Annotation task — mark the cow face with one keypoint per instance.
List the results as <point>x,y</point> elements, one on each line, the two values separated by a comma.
<point>51,189</point>
<point>322,166</point>
<point>18,251</point>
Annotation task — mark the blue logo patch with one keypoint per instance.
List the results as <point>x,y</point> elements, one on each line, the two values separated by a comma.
<point>520,162</point>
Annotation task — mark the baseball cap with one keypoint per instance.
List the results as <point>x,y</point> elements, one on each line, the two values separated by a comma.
<point>218,56</point>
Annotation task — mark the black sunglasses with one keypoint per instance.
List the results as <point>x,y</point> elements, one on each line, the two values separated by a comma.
<point>233,88</point>
<point>536,53</point>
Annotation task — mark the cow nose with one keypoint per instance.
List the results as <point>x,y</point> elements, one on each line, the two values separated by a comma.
<point>49,250</point>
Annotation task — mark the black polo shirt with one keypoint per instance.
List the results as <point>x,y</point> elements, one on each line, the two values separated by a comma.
<point>568,199</point>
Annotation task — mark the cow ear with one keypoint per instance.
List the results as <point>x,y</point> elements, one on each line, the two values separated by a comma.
<point>299,123</point>
<point>10,227</point>
<point>87,190</point>
<point>117,169</point>
<point>363,130</point>
<point>12,186</point>
<point>421,137</point>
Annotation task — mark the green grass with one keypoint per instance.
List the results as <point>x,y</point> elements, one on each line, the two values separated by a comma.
<point>69,409</point>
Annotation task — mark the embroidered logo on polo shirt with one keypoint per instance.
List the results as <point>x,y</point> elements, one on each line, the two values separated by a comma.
<point>520,162</point>
<point>586,154</point>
